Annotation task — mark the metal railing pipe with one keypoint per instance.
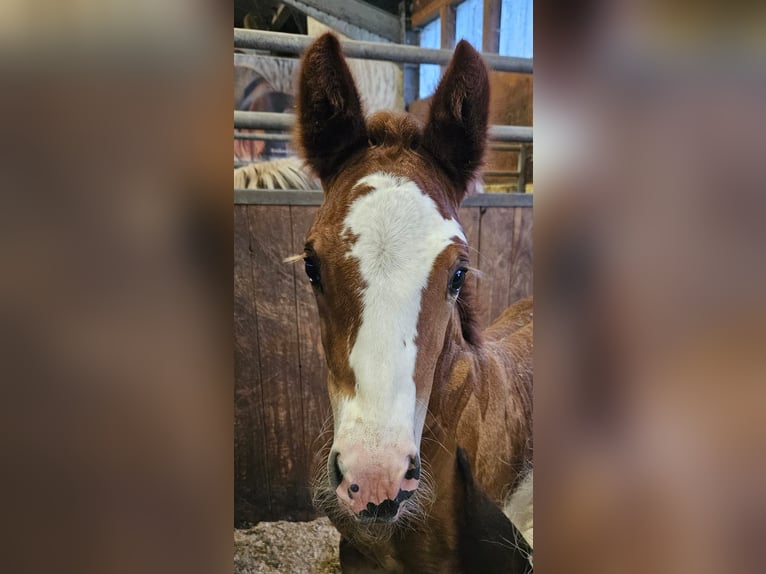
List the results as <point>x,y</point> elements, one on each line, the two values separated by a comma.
<point>295,44</point>
<point>263,121</point>
<point>275,121</point>
<point>262,136</point>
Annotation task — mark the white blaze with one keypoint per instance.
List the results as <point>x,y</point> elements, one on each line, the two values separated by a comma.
<point>399,234</point>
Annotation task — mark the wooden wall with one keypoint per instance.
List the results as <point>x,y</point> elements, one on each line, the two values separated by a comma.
<point>280,398</point>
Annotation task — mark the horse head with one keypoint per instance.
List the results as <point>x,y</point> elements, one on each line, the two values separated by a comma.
<point>387,259</point>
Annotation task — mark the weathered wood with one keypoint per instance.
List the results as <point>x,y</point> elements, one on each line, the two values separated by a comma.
<point>281,401</point>
<point>275,303</point>
<point>521,256</point>
<point>423,11</point>
<point>495,244</point>
<point>313,368</point>
<point>251,482</point>
<point>490,38</point>
<point>469,219</point>
<point>447,17</point>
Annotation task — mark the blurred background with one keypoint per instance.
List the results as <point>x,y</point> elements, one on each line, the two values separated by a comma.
<point>650,287</point>
<point>116,289</point>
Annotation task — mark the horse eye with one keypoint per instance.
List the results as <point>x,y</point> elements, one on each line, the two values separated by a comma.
<point>312,270</point>
<point>458,278</point>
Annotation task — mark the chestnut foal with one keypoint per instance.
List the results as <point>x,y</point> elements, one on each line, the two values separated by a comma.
<point>410,376</point>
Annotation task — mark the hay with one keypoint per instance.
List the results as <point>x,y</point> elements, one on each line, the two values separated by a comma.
<point>287,547</point>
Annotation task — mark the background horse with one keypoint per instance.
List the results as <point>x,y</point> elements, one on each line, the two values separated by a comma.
<point>410,376</point>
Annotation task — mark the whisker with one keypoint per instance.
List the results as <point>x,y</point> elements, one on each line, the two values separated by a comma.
<point>294,258</point>
<point>432,439</point>
<point>413,514</point>
<point>475,271</point>
<point>472,248</point>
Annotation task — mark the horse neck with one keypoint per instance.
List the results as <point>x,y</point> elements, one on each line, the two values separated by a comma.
<point>457,376</point>
<point>468,380</point>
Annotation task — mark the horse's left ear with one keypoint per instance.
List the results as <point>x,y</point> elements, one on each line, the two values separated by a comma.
<point>456,130</point>
<point>330,117</point>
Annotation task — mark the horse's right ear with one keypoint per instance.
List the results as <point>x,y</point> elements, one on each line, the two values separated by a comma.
<point>456,130</point>
<point>330,119</point>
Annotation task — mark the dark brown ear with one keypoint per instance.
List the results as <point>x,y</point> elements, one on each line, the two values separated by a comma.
<point>456,130</point>
<point>330,118</point>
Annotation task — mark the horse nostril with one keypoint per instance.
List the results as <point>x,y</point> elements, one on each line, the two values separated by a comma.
<point>413,471</point>
<point>403,495</point>
<point>335,474</point>
<point>383,512</point>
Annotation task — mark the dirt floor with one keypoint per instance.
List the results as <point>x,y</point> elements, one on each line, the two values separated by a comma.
<point>287,548</point>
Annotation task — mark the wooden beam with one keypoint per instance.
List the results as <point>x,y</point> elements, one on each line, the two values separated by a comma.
<point>491,32</point>
<point>447,16</point>
<point>352,17</point>
<point>423,11</point>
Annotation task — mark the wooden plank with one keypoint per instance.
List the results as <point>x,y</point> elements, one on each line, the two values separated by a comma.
<point>490,38</point>
<point>279,415</point>
<point>423,11</point>
<point>521,184</point>
<point>521,257</point>
<point>313,368</point>
<point>275,304</point>
<point>495,241</point>
<point>469,219</point>
<point>447,16</point>
<point>251,481</point>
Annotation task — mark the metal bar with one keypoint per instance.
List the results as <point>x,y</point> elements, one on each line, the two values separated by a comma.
<point>262,136</point>
<point>277,197</point>
<point>295,44</point>
<point>244,163</point>
<point>510,134</point>
<point>485,174</point>
<point>313,197</point>
<point>498,200</point>
<point>274,121</point>
<point>263,121</point>
<point>498,146</point>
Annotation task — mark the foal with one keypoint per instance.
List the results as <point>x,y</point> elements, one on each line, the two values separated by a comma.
<point>410,377</point>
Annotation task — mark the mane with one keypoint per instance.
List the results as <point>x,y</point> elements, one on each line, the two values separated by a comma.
<point>286,173</point>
